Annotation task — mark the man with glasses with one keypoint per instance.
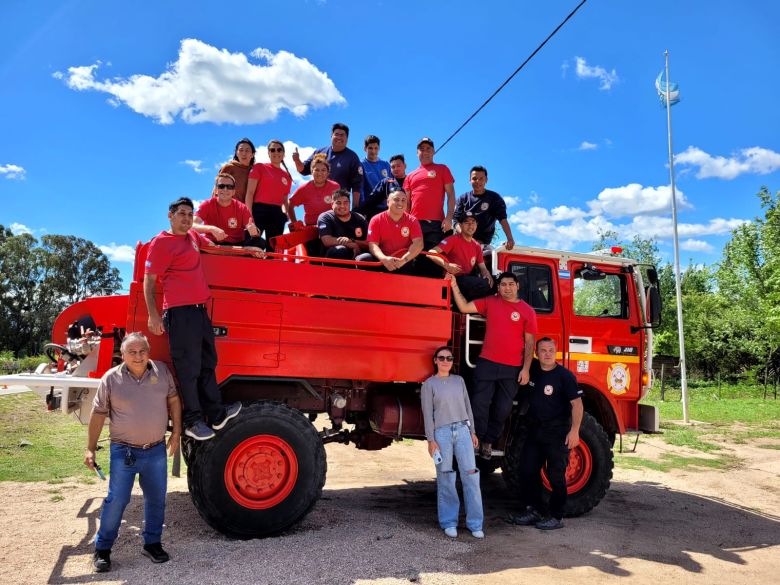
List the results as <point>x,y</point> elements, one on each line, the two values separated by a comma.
<point>225,220</point>
<point>505,359</point>
<point>345,167</point>
<point>173,259</point>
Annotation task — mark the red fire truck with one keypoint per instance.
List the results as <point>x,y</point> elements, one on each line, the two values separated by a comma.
<point>297,339</point>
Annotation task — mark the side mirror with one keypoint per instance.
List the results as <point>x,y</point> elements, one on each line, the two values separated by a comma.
<point>653,306</point>
<point>652,276</point>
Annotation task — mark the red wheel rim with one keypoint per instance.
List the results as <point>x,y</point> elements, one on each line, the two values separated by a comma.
<point>261,472</point>
<point>577,472</point>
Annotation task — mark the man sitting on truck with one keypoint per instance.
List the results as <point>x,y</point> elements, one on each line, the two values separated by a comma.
<point>464,261</point>
<point>138,396</point>
<point>342,232</point>
<point>174,259</point>
<point>394,237</point>
<point>505,358</point>
<point>226,220</point>
<point>554,417</point>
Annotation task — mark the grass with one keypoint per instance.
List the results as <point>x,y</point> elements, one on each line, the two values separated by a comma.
<point>670,461</point>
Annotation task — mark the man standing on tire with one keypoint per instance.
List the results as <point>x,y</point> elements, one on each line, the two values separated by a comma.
<point>505,359</point>
<point>174,259</point>
<point>554,417</point>
<point>137,396</point>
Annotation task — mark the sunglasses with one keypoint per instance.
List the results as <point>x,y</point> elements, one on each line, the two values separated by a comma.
<point>276,150</point>
<point>444,358</point>
<point>225,186</point>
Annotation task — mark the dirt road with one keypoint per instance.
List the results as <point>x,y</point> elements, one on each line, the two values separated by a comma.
<point>376,523</point>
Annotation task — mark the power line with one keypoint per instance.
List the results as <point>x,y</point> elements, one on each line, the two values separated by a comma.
<point>508,79</point>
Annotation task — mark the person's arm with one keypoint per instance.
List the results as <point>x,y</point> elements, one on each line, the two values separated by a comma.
<point>251,187</point>
<point>413,251</point>
<point>485,273</point>
<point>200,227</point>
<point>387,261</point>
<point>528,356</point>
<point>463,305</point>
<point>573,438</point>
<point>154,323</point>
<point>510,242</point>
<point>446,225</point>
<point>174,411</point>
<point>450,267</point>
<point>426,401</point>
<point>96,422</point>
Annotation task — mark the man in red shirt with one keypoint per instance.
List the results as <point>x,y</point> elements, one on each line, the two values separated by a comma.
<point>505,359</point>
<point>464,260</point>
<point>225,220</point>
<point>174,259</point>
<point>394,237</point>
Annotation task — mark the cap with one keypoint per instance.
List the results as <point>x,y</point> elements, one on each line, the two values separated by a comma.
<point>467,216</point>
<point>424,140</point>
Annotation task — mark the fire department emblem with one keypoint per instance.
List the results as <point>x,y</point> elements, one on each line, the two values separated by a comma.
<point>284,180</point>
<point>405,232</point>
<point>328,199</point>
<point>358,232</point>
<point>515,316</point>
<point>548,390</point>
<point>232,223</point>
<point>484,205</point>
<point>618,378</point>
<point>473,260</point>
<point>431,174</point>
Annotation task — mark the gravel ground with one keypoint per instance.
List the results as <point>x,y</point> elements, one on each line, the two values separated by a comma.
<point>376,523</point>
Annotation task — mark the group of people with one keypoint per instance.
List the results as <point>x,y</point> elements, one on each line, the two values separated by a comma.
<point>407,216</point>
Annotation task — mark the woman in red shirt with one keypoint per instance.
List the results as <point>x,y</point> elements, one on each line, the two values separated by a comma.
<point>316,196</point>
<point>267,192</point>
<point>239,167</point>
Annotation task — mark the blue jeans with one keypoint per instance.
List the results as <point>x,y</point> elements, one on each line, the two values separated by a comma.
<point>151,465</point>
<point>455,440</point>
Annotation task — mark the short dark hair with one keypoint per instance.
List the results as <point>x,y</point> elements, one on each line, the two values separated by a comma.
<point>224,176</point>
<point>508,274</point>
<point>371,139</point>
<point>544,340</point>
<point>398,157</point>
<point>252,146</point>
<point>339,193</point>
<point>339,126</point>
<point>479,169</point>
<point>394,191</point>
<point>181,201</point>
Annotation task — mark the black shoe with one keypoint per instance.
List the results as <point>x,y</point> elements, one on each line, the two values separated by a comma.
<point>101,560</point>
<point>199,431</point>
<point>155,552</point>
<point>528,518</point>
<point>549,524</point>
<point>231,411</point>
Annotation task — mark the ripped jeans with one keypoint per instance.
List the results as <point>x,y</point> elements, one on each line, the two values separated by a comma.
<point>455,440</point>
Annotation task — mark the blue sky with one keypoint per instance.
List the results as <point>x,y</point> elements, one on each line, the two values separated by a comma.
<point>104,103</point>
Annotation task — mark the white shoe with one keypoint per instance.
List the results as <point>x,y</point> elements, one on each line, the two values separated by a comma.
<point>477,534</point>
<point>452,532</point>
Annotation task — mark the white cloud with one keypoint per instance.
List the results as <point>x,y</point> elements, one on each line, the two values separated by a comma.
<point>757,160</point>
<point>12,172</point>
<point>692,245</point>
<point>635,199</point>
<point>585,71</point>
<point>534,197</point>
<point>195,165</point>
<point>119,252</point>
<point>585,145</point>
<point>511,201</point>
<point>19,228</point>
<point>207,84</point>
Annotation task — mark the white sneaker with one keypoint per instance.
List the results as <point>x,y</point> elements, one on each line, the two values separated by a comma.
<point>452,532</point>
<point>477,534</point>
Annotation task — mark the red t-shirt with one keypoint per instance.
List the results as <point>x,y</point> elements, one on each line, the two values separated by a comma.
<point>176,262</point>
<point>232,218</point>
<point>393,235</point>
<point>506,325</point>
<point>315,200</point>
<point>273,184</point>
<point>463,253</point>
<point>425,187</point>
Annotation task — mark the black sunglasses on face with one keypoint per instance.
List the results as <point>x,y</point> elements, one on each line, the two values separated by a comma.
<point>444,358</point>
<point>226,186</point>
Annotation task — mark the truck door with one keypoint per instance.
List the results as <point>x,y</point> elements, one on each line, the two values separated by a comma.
<point>602,349</point>
<point>247,331</point>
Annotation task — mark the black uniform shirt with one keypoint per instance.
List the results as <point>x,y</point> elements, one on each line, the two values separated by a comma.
<point>486,208</point>
<point>550,393</point>
<point>354,229</point>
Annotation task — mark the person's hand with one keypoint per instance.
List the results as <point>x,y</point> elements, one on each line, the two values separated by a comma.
<point>524,376</point>
<point>489,279</point>
<point>448,276</point>
<point>474,440</point>
<point>256,252</point>
<point>253,231</point>
<point>296,156</point>
<point>453,268</point>
<point>155,325</point>
<point>572,439</point>
<point>392,264</point>
<point>343,241</point>
<point>218,233</point>
<point>446,224</point>
<point>510,243</point>
<point>432,446</point>
<point>173,442</point>
<point>89,459</point>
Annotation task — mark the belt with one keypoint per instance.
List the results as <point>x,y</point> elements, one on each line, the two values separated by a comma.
<point>144,446</point>
<point>196,305</point>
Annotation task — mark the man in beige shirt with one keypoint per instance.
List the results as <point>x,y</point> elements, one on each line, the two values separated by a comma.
<point>138,397</point>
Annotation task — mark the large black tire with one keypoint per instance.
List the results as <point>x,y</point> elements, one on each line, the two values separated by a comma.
<point>261,474</point>
<point>590,465</point>
<point>488,466</point>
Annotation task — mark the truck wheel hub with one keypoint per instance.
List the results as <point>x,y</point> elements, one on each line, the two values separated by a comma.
<point>261,472</point>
